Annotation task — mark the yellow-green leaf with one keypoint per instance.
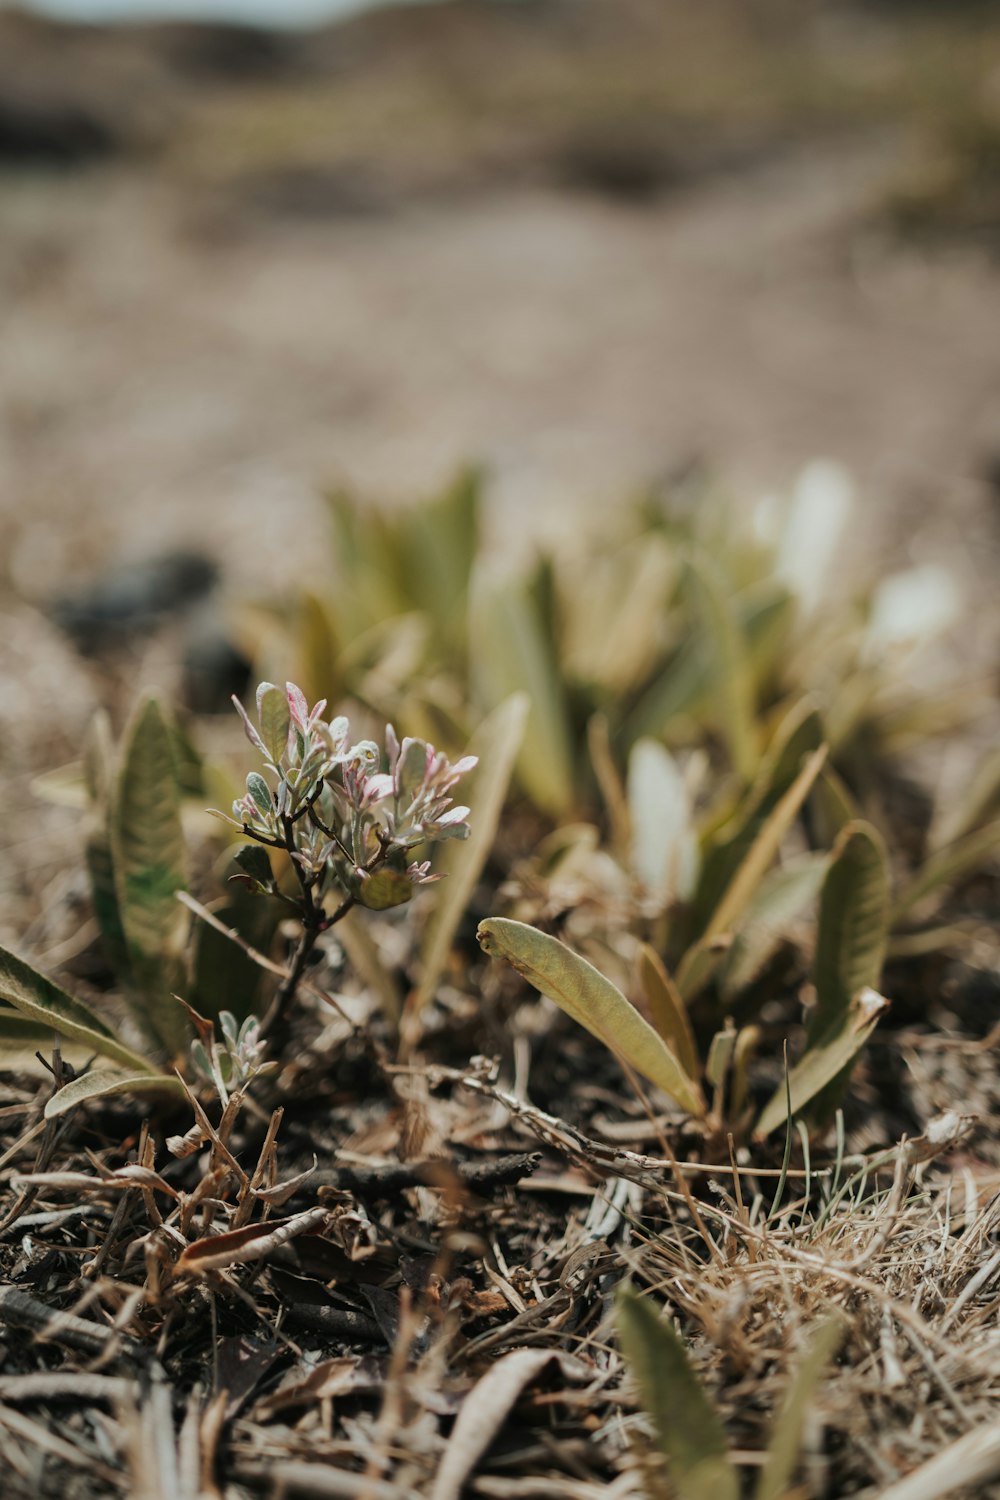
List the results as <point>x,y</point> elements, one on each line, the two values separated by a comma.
<point>688,1428</point>
<point>700,961</point>
<point>593,1001</point>
<point>945,867</point>
<point>511,652</point>
<point>669,1013</point>
<point>853,924</point>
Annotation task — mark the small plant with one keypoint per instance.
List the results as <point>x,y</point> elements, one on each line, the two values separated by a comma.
<point>349,828</point>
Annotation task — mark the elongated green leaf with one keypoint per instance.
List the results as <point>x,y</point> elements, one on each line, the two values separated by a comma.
<point>19,1032</point>
<point>947,866</point>
<point>799,733</point>
<point>853,924</point>
<point>786,1436</point>
<point>669,1013</point>
<point>104,896</point>
<point>608,643</point>
<point>824,1060</point>
<point>511,652</point>
<point>42,1001</point>
<point>147,846</point>
<point>664,850</point>
<point>496,743</point>
<point>688,1429</point>
<point>682,691</point>
<point>782,896</point>
<point>700,962</point>
<point>735,680</point>
<point>977,803</point>
<point>275,716</point>
<point>591,1000</point>
<point>103,1085</point>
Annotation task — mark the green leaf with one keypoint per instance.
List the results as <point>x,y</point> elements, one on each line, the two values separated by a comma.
<point>511,652</point>
<point>591,1000</point>
<point>608,642</point>
<point>853,924</point>
<point>103,1085</point>
<point>786,1435</point>
<point>946,867</point>
<point>147,845</point>
<point>19,1033</point>
<point>223,976</point>
<point>735,694</point>
<point>782,896</point>
<point>688,1429</point>
<point>823,1060</point>
<point>255,862</point>
<point>664,849</point>
<point>700,961</point>
<point>496,743</point>
<point>41,1000</point>
<point>669,1013</point>
<point>798,734</point>
<point>384,890</point>
<point>274,717</point>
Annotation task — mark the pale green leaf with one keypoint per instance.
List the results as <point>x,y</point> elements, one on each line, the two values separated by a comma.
<point>591,1000</point>
<point>824,1060</point>
<point>853,924</point>
<point>664,848</point>
<point>496,743</point>
<point>946,867</point>
<point>734,695</point>
<point>511,652</point>
<point>274,718</point>
<point>781,898</point>
<point>42,1001</point>
<point>699,962</point>
<point>688,1428</point>
<point>786,1435</point>
<point>147,846</point>
<point>103,1085</point>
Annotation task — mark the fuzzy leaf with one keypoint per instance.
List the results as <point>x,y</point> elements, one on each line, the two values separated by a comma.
<point>824,1060</point>
<point>274,717</point>
<point>103,1085</point>
<point>591,1000</point>
<point>147,844</point>
<point>496,743</point>
<point>687,1426</point>
<point>41,1000</point>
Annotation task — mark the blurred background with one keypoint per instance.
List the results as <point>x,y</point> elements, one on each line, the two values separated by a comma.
<point>583,243</point>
